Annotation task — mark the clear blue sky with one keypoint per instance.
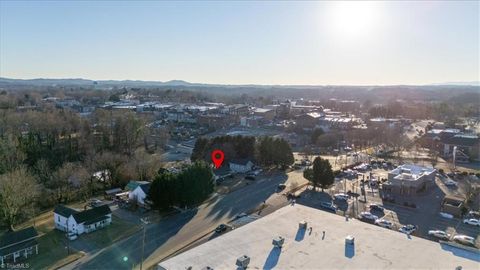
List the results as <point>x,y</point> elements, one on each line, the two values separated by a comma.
<point>242,42</point>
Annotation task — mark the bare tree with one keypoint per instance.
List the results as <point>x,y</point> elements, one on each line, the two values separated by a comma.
<point>18,192</point>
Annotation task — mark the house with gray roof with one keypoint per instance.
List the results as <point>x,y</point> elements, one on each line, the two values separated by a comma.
<point>18,244</point>
<point>78,222</point>
<point>242,165</point>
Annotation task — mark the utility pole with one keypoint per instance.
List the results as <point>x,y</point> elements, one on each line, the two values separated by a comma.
<point>145,222</point>
<point>68,239</point>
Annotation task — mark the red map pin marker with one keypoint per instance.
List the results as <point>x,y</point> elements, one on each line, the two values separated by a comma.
<point>217,158</point>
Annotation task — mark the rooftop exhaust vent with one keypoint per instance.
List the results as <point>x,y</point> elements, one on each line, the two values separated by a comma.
<point>349,240</point>
<point>278,241</point>
<point>302,225</point>
<point>243,261</point>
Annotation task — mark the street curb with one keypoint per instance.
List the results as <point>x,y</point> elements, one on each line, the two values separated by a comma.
<point>452,244</point>
<point>67,263</point>
<point>100,250</point>
<point>184,247</point>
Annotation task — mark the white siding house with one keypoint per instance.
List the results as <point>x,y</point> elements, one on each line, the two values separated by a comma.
<point>241,165</point>
<point>138,191</point>
<point>71,220</point>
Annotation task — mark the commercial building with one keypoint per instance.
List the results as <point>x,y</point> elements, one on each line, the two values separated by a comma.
<point>300,237</point>
<point>267,114</point>
<point>309,120</point>
<point>409,179</point>
<point>453,205</point>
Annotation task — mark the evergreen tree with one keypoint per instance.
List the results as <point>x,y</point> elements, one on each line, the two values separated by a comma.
<point>188,188</point>
<point>162,191</point>
<point>322,174</point>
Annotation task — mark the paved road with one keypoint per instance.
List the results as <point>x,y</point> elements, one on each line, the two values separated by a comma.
<point>174,232</point>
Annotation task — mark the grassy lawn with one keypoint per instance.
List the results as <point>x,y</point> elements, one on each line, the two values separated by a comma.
<point>106,236</point>
<point>51,249</point>
<point>51,243</point>
<point>52,252</point>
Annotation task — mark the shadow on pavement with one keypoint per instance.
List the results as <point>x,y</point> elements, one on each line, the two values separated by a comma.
<point>248,197</point>
<point>471,255</point>
<point>128,253</point>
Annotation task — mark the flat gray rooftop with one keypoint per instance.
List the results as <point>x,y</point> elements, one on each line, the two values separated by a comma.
<point>374,248</point>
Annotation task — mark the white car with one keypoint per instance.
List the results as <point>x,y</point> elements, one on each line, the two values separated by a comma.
<point>341,196</point>
<point>439,234</point>
<point>408,229</point>
<point>71,236</point>
<point>376,207</point>
<point>384,223</point>
<point>464,239</point>
<point>367,215</point>
<point>472,221</point>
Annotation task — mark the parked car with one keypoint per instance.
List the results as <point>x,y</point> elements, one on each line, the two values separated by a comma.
<point>376,207</point>
<point>250,177</point>
<point>368,215</point>
<point>473,214</point>
<point>71,236</point>
<point>241,215</point>
<point>281,186</point>
<point>408,229</point>
<point>472,221</point>
<point>450,183</point>
<point>464,239</point>
<point>341,196</point>
<point>328,206</point>
<point>95,202</point>
<point>439,234</point>
<point>221,228</point>
<point>384,223</point>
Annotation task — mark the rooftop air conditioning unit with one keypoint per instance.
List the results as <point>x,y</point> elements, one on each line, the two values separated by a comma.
<point>243,261</point>
<point>278,241</point>
<point>302,225</point>
<point>349,240</point>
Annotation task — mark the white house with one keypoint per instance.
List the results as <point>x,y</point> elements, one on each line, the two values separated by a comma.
<point>241,165</point>
<point>138,191</point>
<point>71,220</point>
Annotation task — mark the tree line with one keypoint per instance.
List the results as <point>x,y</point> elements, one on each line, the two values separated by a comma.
<point>187,188</point>
<point>266,150</point>
<point>49,157</point>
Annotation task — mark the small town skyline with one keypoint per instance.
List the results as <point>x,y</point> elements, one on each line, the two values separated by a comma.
<point>280,43</point>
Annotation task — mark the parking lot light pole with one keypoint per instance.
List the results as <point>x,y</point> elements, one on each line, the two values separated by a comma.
<point>145,222</point>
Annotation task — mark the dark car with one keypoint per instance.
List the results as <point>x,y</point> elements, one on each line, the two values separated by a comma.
<point>376,207</point>
<point>281,186</point>
<point>328,206</point>
<point>221,228</point>
<point>250,177</point>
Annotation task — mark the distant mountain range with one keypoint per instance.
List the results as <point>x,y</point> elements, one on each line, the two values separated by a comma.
<point>137,83</point>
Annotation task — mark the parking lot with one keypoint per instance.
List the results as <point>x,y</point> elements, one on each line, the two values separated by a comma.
<point>426,215</point>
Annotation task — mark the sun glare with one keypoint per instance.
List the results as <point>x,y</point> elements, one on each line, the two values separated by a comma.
<point>352,18</point>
